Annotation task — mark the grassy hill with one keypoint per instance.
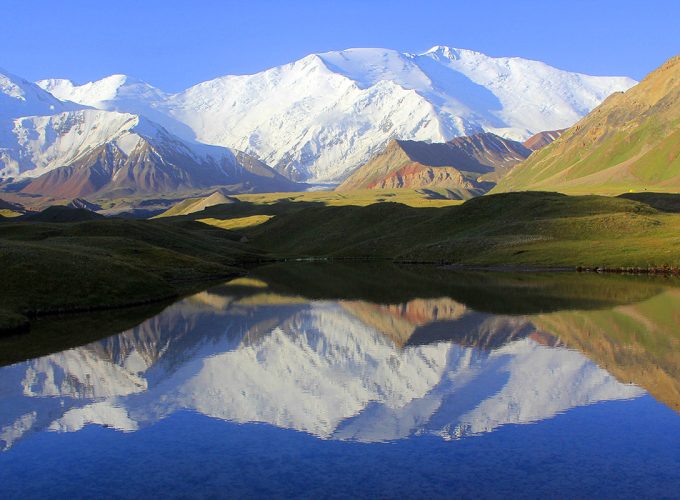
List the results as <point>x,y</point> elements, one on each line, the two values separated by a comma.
<point>52,267</point>
<point>57,213</point>
<point>631,142</point>
<point>191,205</point>
<point>521,229</point>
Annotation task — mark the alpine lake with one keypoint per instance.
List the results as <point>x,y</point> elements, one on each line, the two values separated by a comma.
<point>361,380</point>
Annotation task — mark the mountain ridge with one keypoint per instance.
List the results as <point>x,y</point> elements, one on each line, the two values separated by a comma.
<point>628,143</point>
<point>466,166</point>
<point>70,150</point>
<point>320,117</point>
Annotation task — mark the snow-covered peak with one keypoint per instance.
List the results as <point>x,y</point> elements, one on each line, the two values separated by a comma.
<point>367,67</point>
<point>102,92</point>
<point>19,97</point>
<point>447,52</point>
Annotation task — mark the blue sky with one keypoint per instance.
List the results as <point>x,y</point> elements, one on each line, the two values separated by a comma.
<point>173,44</point>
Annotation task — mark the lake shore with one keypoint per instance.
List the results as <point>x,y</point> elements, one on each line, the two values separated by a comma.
<point>73,265</point>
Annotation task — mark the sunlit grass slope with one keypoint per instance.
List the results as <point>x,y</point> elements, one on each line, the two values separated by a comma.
<point>361,198</point>
<point>237,222</point>
<point>629,143</point>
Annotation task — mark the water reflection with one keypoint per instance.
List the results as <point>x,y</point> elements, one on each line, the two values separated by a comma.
<point>351,369</point>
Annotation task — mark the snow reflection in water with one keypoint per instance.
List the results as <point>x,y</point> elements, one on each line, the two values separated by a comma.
<point>334,369</point>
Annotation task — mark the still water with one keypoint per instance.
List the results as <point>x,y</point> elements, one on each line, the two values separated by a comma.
<point>323,381</point>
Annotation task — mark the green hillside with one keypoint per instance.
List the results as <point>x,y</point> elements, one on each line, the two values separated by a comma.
<point>53,267</point>
<point>522,229</point>
<point>629,143</point>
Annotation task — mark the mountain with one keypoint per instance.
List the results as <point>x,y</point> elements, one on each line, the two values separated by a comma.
<point>84,152</point>
<point>465,166</point>
<point>629,143</point>
<point>136,156</point>
<point>542,139</point>
<point>118,93</point>
<point>321,117</point>
<point>19,97</point>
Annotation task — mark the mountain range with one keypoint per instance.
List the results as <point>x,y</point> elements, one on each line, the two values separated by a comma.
<point>67,150</point>
<point>321,117</point>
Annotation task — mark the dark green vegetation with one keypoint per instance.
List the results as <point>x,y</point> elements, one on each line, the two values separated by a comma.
<point>664,202</point>
<point>52,267</point>
<point>532,229</point>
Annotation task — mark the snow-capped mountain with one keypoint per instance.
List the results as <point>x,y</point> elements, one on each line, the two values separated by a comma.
<point>70,150</point>
<point>19,97</point>
<point>321,117</point>
<point>315,367</point>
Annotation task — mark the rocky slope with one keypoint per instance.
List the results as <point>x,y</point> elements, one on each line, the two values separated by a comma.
<point>542,139</point>
<point>629,143</point>
<point>465,166</point>
<point>321,117</point>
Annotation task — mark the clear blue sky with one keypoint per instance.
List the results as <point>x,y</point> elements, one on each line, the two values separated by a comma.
<point>173,44</point>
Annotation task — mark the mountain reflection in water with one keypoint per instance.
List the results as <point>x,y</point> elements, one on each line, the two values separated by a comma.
<point>347,369</point>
